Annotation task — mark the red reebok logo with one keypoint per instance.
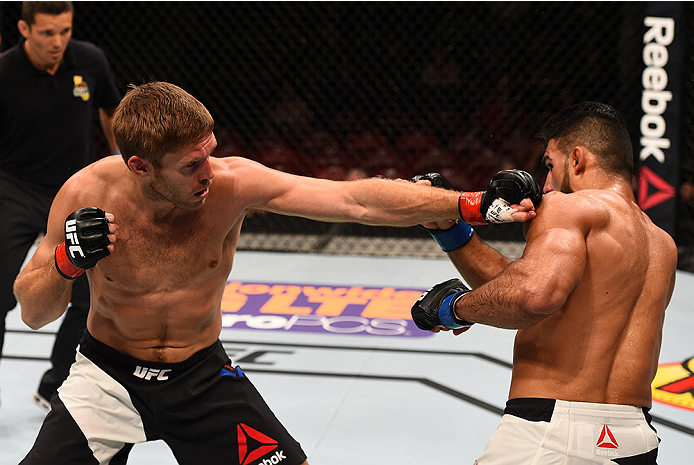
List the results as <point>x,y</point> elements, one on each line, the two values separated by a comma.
<point>265,444</point>
<point>606,439</point>
<point>664,191</point>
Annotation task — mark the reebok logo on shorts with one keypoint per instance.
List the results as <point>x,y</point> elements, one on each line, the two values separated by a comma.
<point>253,445</point>
<point>606,441</point>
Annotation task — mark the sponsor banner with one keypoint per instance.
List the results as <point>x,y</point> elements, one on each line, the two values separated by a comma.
<point>674,384</point>
<point>662,96</point>
<point>371,311</point>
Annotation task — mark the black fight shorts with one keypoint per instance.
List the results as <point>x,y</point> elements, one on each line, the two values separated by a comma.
<point>206,410</point>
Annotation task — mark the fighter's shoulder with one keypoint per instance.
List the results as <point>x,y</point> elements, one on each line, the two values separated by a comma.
<point>230,163</point>
<point>96,177</point>
<point>575,203</point>
<point>663,238</point>
<point>581,210</point>
<point>240,168</point>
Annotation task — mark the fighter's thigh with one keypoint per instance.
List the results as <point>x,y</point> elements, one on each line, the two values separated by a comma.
<point>234,422</point>
<point>516,442</point>
<point>60,440</point>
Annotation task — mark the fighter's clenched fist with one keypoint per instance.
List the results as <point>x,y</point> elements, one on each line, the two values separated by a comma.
<point>507,187</point>
<point>436,307</point>
<point>497,204</point>
<point>86,242</point>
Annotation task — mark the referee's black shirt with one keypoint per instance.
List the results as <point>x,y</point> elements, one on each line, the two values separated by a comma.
<point>45,120</point>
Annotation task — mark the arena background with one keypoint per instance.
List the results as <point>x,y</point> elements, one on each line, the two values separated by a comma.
<point>392,89</point>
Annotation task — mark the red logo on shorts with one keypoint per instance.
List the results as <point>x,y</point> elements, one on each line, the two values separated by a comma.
<point>606,439</point>
<point>262,444</point>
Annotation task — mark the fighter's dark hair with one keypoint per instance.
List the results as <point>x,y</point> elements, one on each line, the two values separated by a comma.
<point>598,127</point>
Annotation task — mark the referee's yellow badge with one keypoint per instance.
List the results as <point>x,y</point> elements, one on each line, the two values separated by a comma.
<point>81,88</point>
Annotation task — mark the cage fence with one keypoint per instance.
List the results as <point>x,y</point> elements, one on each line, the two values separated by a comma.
<point>343,90</point>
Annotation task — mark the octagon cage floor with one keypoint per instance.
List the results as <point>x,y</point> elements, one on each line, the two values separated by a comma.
<point>328,342</point>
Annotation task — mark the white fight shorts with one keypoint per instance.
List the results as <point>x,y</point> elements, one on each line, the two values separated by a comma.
<point>556,432</point>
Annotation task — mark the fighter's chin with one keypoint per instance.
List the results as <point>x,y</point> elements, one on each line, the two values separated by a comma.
<point>195,204</point>
<point>189,207</point>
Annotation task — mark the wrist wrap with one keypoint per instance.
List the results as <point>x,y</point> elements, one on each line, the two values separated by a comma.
<point>469,207</point>
<point>452,238</point>
<point>63,264</point>
<point>447,313</point>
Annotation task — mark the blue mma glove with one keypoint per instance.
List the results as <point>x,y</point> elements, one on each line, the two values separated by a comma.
<point>436,307</point>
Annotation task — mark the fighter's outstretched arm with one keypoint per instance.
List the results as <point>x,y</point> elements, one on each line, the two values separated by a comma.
<point>372,201</point>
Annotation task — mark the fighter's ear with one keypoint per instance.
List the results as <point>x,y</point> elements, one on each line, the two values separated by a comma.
<point>139,166</point>
<point>577,159</point>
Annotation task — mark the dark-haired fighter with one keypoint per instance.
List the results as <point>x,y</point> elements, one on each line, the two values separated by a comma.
<point>587,297</point>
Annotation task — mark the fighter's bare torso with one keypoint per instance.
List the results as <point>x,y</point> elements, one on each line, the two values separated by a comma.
<point>174,228</point>
<point>157,296</point>
<point>602,345</point>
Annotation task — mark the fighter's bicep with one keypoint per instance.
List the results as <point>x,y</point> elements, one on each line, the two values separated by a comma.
<point>290,194</point>
<point>553,264</point>
<point>44,254</point>
<point>558,249</point>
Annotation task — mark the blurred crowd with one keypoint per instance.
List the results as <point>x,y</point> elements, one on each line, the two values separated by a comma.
<point>496,137</point>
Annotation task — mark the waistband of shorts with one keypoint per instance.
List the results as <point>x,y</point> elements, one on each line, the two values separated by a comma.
<point>93,349</point>
<point>539,409</point>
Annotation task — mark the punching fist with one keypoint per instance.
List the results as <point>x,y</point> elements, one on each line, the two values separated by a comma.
<point>86,242</point>
<point>436,307</point>
<point>457,235</point>
<point>436,180</point>
<point>506,188</point>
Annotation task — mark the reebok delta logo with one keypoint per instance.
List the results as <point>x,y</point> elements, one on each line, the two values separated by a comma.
<point>253,445</point>
<point>607,444</point>
<point>151,373</point>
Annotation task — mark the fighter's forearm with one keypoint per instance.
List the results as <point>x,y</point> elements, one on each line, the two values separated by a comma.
<point>508,301</point>
<point>388,202</point>
<point>42,293</point>
<point>477,262</point>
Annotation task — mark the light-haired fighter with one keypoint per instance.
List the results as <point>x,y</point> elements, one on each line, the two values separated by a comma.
<point>157,231</point>
<point>588,298</point>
